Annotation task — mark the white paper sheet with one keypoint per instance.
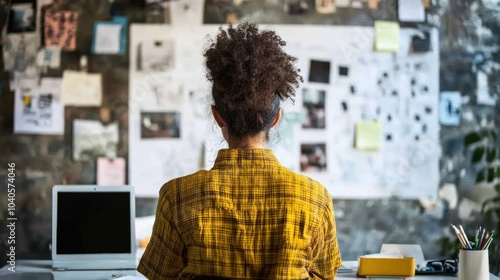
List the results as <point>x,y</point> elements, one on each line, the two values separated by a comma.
<point>186,12</point>
<point>49,57</point>
<point>107,38</point>
<point>483,91</point>
<point>38,109</point>
<point>81,88</point>
<point>411,10</point>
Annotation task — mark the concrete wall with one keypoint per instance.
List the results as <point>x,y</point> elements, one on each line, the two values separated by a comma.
<point>469,30</point>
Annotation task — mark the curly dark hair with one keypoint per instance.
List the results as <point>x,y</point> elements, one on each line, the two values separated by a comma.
<point>250,72</point>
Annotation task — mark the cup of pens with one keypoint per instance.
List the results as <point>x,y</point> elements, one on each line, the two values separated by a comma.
<point>473,262</point>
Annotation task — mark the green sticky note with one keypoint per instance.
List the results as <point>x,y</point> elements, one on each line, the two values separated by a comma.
<point>368,136</point>
<point>386,36</point>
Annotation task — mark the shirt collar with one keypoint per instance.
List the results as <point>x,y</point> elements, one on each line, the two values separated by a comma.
<point>244,157</point>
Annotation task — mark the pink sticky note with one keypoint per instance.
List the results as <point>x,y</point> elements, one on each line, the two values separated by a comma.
<point>110,172</point>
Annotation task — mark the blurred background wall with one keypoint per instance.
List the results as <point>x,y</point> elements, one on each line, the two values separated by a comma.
<point>469,40</point>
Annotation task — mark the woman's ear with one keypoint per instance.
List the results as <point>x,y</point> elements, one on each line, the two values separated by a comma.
<point>218,119</point>
<point>276,119</point>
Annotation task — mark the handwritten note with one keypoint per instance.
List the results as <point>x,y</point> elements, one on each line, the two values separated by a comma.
<point>110,172</point>
<point>81,88</point>
<point>386,36</point>
<point>368,136</point>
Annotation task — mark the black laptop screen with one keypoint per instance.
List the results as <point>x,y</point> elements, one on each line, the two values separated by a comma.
<point>93,223</point>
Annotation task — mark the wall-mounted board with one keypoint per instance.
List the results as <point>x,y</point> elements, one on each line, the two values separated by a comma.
<point>364,123</point>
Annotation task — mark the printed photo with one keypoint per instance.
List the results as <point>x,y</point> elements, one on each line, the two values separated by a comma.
<point>92,139</point>
<point>22,17</point>
<point>313,157</point>
<point>223,11</point>
<point>319,71</point>
<point>160,125</point>
<point>314,107</point>
<point>60,29</point>
<point>325,6</point>
<point>296,7</point>
<point>157,11</point>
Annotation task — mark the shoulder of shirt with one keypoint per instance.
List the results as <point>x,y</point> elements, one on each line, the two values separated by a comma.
<point>169,186</point>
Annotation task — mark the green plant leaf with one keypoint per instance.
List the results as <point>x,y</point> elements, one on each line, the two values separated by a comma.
<point>498,172</point>
<point>493,135</point>
<point>489,205</point>
<point>477,155</point>
<point>497,188</point>
<point>491,175</point>
<point>481,175</point>
<point>471,138</point>
<point>491,154</point>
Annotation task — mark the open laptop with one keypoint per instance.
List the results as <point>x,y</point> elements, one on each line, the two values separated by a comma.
<point>93,227</point>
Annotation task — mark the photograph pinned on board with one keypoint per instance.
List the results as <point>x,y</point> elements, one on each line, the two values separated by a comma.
<point>22,17</point>
<point>313,102</point>
<point>319,71</point>
<point>185,13</point>
<point>60,29</point>
<point>92,139</point>
<point>19,53</point>
<point>155,56</point>
<point>222,11</point>
<point>325,6</point>
<point>160,125</point>
<point>157,11</point>
<point>343,71</point>
<point>313,157</point>
<point>296,7</point>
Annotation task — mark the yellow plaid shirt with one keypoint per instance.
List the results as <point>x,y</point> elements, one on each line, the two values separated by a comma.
<point>246,218</point>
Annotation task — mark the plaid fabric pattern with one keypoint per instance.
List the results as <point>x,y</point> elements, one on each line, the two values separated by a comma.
<point>246,218</point>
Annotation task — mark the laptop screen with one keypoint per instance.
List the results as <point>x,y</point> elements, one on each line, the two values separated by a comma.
<point>93,223</point>
<point>93,227</point>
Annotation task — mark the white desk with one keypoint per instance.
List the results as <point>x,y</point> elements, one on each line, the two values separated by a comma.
<point>42,270</point>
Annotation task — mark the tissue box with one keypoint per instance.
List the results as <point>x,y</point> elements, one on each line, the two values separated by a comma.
<point>372,266</point>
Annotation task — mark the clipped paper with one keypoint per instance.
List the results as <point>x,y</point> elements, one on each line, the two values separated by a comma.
<point>386,36</point>
<point>81,89</point>
<point>368,136</point>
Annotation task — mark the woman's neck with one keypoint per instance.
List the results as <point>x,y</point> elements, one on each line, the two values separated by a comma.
<point>250,142</point>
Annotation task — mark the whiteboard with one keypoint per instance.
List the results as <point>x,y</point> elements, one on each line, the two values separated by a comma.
<point>167,85</point>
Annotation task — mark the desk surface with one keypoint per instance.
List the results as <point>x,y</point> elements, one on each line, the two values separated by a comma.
<point>42,270</point>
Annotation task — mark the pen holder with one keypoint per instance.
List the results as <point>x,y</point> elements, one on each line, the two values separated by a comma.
<point>473,264</point>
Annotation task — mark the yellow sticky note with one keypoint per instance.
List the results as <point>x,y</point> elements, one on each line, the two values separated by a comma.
<point>368,136</point>
<point>386,36</point>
